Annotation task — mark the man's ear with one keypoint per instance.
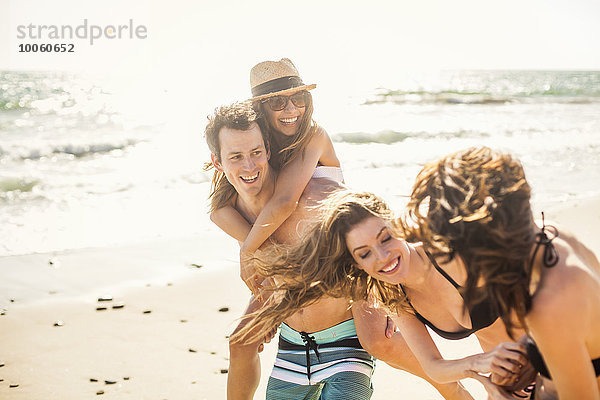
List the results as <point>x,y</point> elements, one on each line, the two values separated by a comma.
<point>216,162</point>
<point>268,153</point>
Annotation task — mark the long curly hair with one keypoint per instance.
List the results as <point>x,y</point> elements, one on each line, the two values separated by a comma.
<point>285,149</point>
<point>320,265</point>
<point>475,203</point>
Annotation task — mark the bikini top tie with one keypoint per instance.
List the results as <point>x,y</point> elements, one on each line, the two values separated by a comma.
<point>550,258</point>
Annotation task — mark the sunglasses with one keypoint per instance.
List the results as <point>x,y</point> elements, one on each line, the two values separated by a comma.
<point>278,103</point>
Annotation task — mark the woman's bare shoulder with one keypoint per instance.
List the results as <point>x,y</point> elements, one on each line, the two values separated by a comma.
<point>575,247</point>
<point>559,294</point>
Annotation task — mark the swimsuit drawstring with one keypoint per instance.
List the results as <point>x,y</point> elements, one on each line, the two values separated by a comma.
<point>309,343</point>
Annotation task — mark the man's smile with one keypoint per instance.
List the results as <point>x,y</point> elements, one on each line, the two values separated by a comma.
<point>250,178</point>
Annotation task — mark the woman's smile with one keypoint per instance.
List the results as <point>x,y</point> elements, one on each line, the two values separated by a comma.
<point>377,252</point>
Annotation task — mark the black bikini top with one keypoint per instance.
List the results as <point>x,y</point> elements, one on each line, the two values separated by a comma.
<point>550,259</point>
<point>482,314</point>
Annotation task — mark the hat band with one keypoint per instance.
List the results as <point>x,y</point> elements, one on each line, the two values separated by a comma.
<point>277,85</point>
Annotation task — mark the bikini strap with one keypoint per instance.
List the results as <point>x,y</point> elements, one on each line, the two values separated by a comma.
<point>441,271</point>
<point>550,258</point>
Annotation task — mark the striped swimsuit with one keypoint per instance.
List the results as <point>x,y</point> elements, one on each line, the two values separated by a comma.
<point>324,365</point>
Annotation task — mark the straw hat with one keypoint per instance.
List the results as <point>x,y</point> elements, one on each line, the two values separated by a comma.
<point>275,78</point>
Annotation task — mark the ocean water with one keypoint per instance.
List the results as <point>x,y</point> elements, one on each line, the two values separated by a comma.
<point>85,162</point>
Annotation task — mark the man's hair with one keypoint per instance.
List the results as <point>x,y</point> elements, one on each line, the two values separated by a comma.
<point>239,116</point>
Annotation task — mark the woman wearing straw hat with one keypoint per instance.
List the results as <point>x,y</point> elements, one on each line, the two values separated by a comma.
<point>300,149</point>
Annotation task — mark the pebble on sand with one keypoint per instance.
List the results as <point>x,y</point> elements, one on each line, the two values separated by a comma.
<point>100,392</point>
<point>224,371</point>
<point>105,298</point>
<point>13,385</point>
<point>223,309</point>
<point>192,350</point>
<point>118,305</point>
<point>110,382</point>
<point>1,364</point>
<point>101,308</point>
<point>59,323</point>
<point>93,380</point>
<point>147,311</point>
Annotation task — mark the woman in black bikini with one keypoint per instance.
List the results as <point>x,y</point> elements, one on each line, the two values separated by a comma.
<point>473,208</point>
<point>355,238</point>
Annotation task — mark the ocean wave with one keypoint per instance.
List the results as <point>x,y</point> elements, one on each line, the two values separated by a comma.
<point>443,97</point>
<point>85,149</point>
<point>469,98</point>
<point>390,136</point>
<point>495,87</point>
<point>22,152</point>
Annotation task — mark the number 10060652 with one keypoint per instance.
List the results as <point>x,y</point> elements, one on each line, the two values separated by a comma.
<point>46,48</point>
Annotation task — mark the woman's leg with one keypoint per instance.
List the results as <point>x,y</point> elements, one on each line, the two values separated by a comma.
<point>371,324</point>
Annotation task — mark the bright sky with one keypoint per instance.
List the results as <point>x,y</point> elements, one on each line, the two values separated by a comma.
<point>345,43</point>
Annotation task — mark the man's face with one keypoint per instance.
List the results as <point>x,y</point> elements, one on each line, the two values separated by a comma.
<point>244,159</point>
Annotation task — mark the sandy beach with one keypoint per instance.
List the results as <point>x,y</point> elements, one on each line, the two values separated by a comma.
<point>161,331</point>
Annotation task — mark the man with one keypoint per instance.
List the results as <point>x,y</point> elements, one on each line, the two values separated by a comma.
<point>304,368</point>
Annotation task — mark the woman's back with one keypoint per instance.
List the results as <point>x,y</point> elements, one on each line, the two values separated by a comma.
<point>575,279</point>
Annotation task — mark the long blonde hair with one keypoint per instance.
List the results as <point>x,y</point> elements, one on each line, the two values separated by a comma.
<point>320,265</point>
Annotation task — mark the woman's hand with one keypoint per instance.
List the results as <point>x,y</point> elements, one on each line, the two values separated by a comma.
<point>523,379</point>
<point>249,274</point>
<point>504,362</point>
<point>390,327</point>
<point>267,339</point>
